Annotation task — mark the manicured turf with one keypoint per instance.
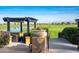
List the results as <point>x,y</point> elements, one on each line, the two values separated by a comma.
<point>53,29</point>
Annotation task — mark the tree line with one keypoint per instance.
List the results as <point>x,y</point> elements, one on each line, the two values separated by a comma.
<point>61,23</point>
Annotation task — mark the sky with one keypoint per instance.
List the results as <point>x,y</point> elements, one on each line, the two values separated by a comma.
<point>44,14</point>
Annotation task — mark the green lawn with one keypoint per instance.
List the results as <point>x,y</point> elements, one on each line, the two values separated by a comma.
<point>53,29</point>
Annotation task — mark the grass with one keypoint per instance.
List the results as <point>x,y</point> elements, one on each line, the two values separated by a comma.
<point>53,29</point>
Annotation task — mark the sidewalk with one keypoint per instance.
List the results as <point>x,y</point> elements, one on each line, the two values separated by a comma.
<point>15,47</point>
<point>62,46</point>
<point>55,46</point>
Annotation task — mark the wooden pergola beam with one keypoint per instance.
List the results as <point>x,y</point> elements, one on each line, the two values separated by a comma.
<point>8,26</point>
<point>77,21</point>
<point>34,24</point>
<point>18,19</point>
<point>28,28</point>
<point>20,26</point>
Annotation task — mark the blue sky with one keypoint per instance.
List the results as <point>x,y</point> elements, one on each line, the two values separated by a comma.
<point>44,14</point>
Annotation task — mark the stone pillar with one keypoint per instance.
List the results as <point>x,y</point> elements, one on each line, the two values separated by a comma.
<point>39,41</point>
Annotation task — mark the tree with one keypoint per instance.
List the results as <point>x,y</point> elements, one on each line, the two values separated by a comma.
<point>62,23</point>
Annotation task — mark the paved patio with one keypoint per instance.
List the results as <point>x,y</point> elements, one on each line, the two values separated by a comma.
<point>55,46</point>
<point>62,46</point>
<point>15,47</point>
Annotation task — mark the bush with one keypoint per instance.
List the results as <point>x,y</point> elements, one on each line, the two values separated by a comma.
<point>4,38</point>
<point>71,34</point>
<point>60,35</point>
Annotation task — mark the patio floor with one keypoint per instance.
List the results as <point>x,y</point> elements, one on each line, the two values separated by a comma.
<point>15,47</point>
<point>61,45</point>
<point>55,46</point>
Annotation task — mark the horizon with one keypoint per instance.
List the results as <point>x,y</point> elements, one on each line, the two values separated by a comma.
<point>44,14</point>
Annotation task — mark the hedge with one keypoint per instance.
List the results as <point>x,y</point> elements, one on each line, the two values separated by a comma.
<point>71,34</point>
<point>4,38</point>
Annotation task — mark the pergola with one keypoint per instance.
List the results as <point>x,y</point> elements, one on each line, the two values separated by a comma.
<point>21,20</point>
<point>77,20</point>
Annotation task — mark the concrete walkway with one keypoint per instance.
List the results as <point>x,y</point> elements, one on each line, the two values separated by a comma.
<point>15,47</point>
<point>55,46</point>
<point>62,46</point>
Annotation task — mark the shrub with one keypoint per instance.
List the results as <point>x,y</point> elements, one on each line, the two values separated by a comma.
<point>4,38</point>
<point>71,34</point>
<point>60,34</point>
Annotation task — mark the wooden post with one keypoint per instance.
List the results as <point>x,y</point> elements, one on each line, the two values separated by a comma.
<point>34,24</point>
<point>20,26</point>
<point>8,26</point>
<point>28,27</point>
<point>78,24</point>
